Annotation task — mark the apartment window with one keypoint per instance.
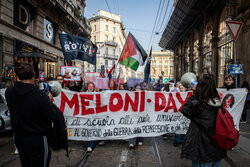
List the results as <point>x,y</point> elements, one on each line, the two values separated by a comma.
<point>94,39</point>
<point>94,27</point>
<point>113,39</point>
<point>106,63</point>
<point>113,29</point>
<point>88,65</point>
<point>113,62</point>
<point>107,28</point>
<point>106,50</point>
<point>114,52</point>
<point>107,37</point>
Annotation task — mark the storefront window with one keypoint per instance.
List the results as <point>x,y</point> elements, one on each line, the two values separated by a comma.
<point>196,55</point>
<point>207,50</point>
<point>207,63</point>
<point>225,58</point>
<point>225,51</point>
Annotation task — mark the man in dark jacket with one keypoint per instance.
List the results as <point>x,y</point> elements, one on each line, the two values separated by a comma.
<point>31,115</point>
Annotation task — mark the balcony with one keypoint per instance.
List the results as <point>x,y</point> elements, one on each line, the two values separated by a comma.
<point>111,43</point>
<point>73,15</point>
<point>109,56</point>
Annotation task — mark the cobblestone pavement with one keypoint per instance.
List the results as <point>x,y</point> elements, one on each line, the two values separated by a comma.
<point>155,152</point>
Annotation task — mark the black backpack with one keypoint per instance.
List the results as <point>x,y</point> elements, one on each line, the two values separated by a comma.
<point>57,134</point>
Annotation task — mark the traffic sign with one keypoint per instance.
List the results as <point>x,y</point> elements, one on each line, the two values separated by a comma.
<point>234,27</point>
<point>236,68</point>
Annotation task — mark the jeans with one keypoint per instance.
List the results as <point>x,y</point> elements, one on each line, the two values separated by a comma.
<point>90,144</point>
<point>206,164</point>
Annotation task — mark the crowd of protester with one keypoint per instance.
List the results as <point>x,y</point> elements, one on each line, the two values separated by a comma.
<point>210,102</point>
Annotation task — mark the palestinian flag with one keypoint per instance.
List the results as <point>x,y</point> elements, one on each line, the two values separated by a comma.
<point>133,54</point>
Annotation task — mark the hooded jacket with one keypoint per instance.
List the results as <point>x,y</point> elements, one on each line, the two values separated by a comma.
<point>197,145</point>
<point>31,111</point>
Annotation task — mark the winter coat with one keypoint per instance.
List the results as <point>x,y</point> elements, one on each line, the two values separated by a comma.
<point>31,111</point>
<point>197,145</point>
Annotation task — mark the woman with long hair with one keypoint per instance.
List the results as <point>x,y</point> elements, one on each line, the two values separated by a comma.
<point>112,85</point>
<point>202,108</point>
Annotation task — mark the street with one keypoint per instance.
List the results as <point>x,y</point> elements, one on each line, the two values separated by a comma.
<point>155,152</point>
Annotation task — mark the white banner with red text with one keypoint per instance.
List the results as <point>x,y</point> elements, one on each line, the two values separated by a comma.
<point>124,114</point>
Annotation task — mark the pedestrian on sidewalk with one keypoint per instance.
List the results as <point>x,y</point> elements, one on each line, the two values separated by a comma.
<point>31,114</point>
<point>244,113</point>
<point>202,108</point>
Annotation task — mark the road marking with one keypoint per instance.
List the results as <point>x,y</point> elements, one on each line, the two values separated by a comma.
<point>156,152</point>
<point>123,158</point>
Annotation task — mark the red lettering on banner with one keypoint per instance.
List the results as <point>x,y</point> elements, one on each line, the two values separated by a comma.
<point>178,95</point>
<point>134,104</point>
<point>73,102</point>
<point>171,100</point>
<point>159,107</point>
<point>86,103</point>
<point>142,105</point>
<point>99,108</point>
<point>115,107</point>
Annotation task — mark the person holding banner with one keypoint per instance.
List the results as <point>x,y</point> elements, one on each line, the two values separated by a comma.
<point>179,136</point>
<point>229,82</point>
<point>202,108</point>
<point>90,88</point>
<point>133,141</point>
<point>112,85</point>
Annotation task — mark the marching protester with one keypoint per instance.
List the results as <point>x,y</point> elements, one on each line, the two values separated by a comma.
<point>179,136</point>
<point>122,86</point>
<point>60,79</point>
<point>90,88</point>
<point>31,114</point>
<point>135,140</point>
<point>111,84</point>
<point>159,85</point>
<point>202,108</point>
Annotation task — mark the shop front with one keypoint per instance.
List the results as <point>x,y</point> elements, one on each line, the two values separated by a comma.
<point>44,63</point>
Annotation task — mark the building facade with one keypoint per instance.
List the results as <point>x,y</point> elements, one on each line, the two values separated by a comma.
<point>109,35</point>
<point>201,41</point>
<point>162,64</point>
<point>29,32</point>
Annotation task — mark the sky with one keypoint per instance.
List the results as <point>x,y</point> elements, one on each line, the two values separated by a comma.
<point>138,17</point>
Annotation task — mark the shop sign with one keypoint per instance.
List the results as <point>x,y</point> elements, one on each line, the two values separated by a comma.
<point>236,68</point>
<point>23,47</point>
<point>48,31</point>
<point>22,15</point>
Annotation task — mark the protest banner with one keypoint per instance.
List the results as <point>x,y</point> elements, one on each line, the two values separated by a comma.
<point>101,83</point>
<point>123,114</point>
<point>71,73</point>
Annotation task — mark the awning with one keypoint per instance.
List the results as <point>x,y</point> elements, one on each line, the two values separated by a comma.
<point>186,15</point>
<point>34,54</point>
